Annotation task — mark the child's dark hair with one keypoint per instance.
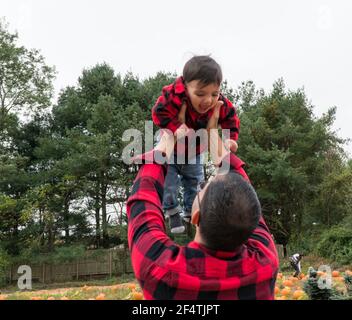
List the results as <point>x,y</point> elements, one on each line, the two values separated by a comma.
<point>204,69</point>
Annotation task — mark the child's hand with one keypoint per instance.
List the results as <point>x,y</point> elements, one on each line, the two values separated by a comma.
<point>213,121</point>
<point>182,131</point>
<point>182,113</point>
<point>231,145</point>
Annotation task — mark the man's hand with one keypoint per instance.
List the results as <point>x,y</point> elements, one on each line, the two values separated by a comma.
<point>182,113</point>
<point>231,145</point>
<point>216,146</point>
<point>166,143</point>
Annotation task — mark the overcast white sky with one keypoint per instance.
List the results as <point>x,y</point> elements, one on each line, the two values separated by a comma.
<point>308,43</point>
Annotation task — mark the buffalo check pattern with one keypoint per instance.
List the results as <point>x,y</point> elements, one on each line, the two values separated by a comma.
<point>168,271</point>
<point>168,105</point>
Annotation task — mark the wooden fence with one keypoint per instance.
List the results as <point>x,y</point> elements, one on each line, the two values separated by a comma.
<point>114,263</point>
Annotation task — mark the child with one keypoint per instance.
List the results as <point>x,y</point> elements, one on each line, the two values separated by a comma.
<point>198,89</point>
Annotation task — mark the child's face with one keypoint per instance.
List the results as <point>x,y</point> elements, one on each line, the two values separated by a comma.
<point>203,98</point>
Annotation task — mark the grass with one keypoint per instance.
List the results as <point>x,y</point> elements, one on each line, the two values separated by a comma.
<point>126,287</point>
<point>116,288</point>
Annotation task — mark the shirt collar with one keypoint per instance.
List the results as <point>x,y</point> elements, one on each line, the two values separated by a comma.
<point>179,85</point>
<point>215,253</point>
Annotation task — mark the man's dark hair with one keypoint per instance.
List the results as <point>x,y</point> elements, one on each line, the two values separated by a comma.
<point>229,212</point>
<point>204,69</point>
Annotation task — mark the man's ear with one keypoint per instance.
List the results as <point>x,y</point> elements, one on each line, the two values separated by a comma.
<point>195,217</point>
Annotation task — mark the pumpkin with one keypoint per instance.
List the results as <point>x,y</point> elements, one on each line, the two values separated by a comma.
<point>286,291</point>
<point>335,273</point>
<point>298,294</point>
<point>100,297</point>
<point>137,295</point>
<point>131,286</point>
<point>287,283</point>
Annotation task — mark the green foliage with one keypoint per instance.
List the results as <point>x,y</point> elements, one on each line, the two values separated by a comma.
<point>26,81</point>
<point>61,254</point>
<point>311,287</point>
<point>4,264</point>
<point>285,148</point>
<point>348,282</point>
<point>336,244</point>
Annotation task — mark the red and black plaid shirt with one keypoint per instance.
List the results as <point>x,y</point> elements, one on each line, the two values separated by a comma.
<point>167,107</point>
<point>166,270</point>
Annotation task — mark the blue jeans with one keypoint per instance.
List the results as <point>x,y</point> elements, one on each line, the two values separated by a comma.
<point>189,175</point>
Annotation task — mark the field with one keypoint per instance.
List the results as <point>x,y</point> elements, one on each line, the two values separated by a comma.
<point>126,288</point>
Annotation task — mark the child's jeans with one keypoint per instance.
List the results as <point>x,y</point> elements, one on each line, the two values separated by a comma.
<point>189,175</point>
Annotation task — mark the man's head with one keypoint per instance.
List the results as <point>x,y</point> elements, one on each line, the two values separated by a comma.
<point>226,211</point>
<point>203,77</point>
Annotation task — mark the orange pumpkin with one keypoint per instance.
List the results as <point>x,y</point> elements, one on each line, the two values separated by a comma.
<point>137,295</point>
<point>298,294</point>
<point>277,290</point>
<point>286,291</point>
<point>36,298</point>
<point>336,273</point>
<point>287,283</point>
<point>131,286</point>
<point>281,298</point>
<point>64,298</point>
<point>100,297</point>
<point>51,298</point>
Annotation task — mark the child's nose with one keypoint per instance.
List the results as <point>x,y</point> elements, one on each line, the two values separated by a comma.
<point>208,100</point>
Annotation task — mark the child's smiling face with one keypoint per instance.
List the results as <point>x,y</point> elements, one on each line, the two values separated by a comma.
<point>203,97</point>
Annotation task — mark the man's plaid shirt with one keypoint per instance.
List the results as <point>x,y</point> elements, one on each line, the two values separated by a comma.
<point>166,270</point>
<point>168,105</point>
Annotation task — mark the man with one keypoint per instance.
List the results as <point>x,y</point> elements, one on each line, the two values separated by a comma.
<point>295,261</point>
<point>233,255</point>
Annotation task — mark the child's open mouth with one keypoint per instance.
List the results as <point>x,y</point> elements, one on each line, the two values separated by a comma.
<point>204,109</point>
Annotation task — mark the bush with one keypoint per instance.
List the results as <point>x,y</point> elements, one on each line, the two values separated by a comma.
<point>64,254</point>
<point>4,265</point>
<point>336,244</point>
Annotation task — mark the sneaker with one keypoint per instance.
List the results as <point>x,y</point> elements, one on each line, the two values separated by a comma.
<point>176,225</point>
<point>187,217</point>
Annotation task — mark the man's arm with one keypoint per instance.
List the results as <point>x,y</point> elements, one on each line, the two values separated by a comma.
<point>147,238</point>
<point>229,120</point>
<point>224,159</point>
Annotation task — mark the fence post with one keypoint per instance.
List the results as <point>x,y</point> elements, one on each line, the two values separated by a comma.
<point>110,263</point>
<point>43,272</point>
<point>124,260</point>
<point>10,274</point>
<point>77,274</point>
